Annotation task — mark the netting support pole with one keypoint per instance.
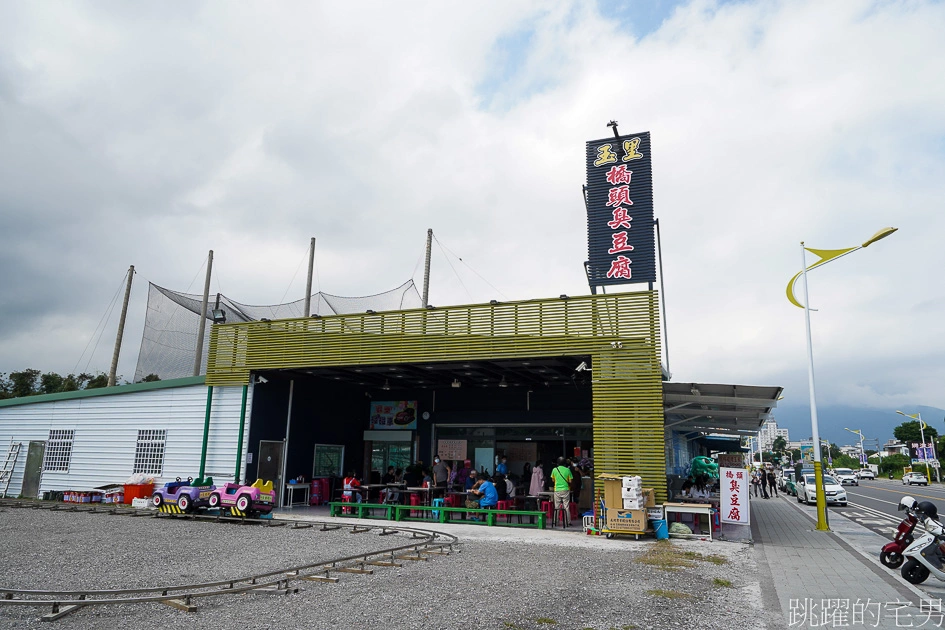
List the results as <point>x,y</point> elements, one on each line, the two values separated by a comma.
<point>426,269</point>
<point>198,358</point>
<point>206,432</point>
<point>307,311</point>
<point>239,441</point>
<point>112,373</point>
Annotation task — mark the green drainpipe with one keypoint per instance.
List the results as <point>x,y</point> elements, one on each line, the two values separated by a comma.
<point>206,432</point>
<point>239,441</point>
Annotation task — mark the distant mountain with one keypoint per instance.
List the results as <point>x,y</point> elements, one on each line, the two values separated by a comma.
<point>874,423</point>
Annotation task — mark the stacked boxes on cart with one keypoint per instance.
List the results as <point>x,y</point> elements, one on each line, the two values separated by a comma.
<point>632,493</point>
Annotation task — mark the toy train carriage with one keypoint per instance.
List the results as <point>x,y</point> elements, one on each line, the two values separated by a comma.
<point>186,495</point>
<point>259,497</point>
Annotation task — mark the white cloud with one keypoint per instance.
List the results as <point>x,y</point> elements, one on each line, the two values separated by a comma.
<point>148,135</point>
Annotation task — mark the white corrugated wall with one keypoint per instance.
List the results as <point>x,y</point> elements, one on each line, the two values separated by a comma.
<point>106,433</point>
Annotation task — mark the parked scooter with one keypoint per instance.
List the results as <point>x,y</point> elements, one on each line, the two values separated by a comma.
<point>891,554</point>
<point>925,555</point>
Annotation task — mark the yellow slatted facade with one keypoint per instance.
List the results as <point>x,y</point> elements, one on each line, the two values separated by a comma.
<point>620,332</point>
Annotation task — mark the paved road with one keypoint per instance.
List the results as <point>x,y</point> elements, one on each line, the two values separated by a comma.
<point>873,504</point>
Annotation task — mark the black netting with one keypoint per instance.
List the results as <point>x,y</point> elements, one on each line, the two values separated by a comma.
<point>169,342</point>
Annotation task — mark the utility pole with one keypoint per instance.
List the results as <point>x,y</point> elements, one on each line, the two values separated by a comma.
<point>426,269</point>
<point>307,312</point>
<point>198,358</point>
<point>112,372</point>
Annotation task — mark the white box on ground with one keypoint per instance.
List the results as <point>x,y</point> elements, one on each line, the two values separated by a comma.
<point>632,504</point>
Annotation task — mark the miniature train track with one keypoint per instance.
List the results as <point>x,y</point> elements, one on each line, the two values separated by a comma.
<point>424,543</point>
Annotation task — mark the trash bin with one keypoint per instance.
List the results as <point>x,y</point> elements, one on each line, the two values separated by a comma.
<point>662,531</point>
<point>137,491</point>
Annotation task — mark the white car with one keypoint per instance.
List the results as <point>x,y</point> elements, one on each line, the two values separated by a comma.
<point>915,478</point>
<point>846,476</point>
<point>833,491</point>
<point>866,473</point>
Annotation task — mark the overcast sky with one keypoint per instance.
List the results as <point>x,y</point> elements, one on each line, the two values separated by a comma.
<point>150,133</point>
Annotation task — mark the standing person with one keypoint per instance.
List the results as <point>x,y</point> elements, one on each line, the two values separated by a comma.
<point>441,475</point>
<point>576,483</point>
<point>537,483</point>
<point>463,474</point>
<point>503,467</point>
<point>764,483</point>
<point>772,483</point>
<point>755,482</point>
<point>561,475</point>
<point>527,472</point>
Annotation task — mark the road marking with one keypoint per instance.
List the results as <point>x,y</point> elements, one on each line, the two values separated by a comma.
<point>911,493</point>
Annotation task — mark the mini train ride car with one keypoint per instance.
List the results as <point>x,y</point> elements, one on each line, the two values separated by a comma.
<point>187,495</point>
<point>244,500</point>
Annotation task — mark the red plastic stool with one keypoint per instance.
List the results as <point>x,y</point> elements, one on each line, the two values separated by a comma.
<point>346,510</point>
<point>574,510</point>
<point>414,500</point>
<point>505,505</point>
<point>546,507</point>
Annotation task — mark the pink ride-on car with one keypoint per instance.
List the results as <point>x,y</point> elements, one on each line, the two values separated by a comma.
<point>258,497</point>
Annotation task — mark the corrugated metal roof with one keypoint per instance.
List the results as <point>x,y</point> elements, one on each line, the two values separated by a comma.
<point>104,391</point>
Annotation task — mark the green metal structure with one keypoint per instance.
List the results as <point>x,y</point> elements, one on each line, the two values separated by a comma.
<point>620,332</point>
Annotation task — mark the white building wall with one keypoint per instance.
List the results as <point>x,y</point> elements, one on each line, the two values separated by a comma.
<point>106,433</point>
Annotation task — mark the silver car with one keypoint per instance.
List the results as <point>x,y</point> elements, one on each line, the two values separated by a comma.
<point>833,491</point>
<point>846,476</point>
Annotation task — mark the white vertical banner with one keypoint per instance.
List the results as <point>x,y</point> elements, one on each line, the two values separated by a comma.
<point>733,505</point>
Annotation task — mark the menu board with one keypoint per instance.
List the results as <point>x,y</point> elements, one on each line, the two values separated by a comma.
<point>400,415</point>
<point>451,449</point>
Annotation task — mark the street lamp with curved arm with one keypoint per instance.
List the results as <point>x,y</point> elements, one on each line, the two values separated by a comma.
<point>825,256</point>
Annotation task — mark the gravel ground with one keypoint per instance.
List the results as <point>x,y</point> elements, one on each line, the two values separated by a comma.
<point>498,577</point>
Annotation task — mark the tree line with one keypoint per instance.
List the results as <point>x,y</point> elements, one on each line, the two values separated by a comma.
<point>30,382</point>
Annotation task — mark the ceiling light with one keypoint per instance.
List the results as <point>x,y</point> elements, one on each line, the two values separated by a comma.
<point>502,383</point>
<point>386,385</point>
<point>456,383</point>
<point>219,316</point>
<point>564,297</point>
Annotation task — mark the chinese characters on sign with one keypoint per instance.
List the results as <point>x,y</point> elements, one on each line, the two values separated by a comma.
<point>450,450</point>
<point>398,414</point>
<point>860,613</point>
<point>733,506</point>
<point>923,452</point>
<point>620,245</point>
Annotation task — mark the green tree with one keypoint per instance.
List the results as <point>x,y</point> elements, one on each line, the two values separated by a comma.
<point>894,464</point>
<point>98,381</point>
<point>24,383</point>
<point>50,383</point>
<point>779,445</point>
<point>150,378</point>
<point>845,461</point>
<point>909,432</point>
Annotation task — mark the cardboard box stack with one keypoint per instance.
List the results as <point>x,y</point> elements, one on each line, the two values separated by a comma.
<point>632,493</point>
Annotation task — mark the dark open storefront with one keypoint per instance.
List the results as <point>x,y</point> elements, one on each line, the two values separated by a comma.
<point>526,410</point>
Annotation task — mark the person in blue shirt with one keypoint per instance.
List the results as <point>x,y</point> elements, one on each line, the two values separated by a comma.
<point>502,468</point>
<point>471,479</point>
<point>488,497</point>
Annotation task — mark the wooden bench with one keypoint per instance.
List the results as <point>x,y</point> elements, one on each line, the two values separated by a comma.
<point>359,509</point>
<point>442,514</point>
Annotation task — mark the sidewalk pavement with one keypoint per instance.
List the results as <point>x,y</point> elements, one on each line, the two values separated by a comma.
<point>831,579</point>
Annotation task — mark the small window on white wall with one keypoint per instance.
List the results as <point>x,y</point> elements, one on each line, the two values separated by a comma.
<point>58,450</point>
<point>149,452</point>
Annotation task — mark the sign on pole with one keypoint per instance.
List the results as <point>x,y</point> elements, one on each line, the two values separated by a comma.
<point>620,231</point>
<point>733,504</point>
